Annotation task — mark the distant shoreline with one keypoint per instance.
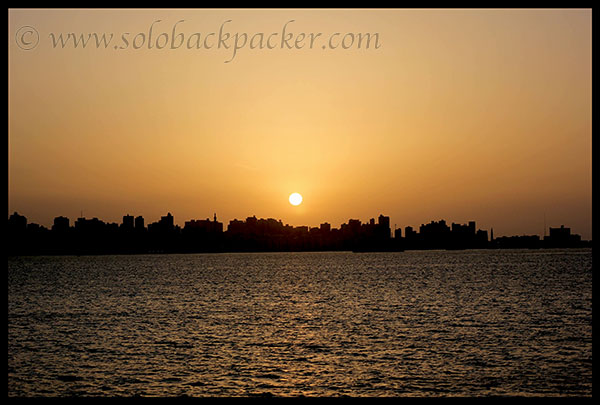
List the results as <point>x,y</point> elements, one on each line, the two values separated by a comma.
<point>547,249</point>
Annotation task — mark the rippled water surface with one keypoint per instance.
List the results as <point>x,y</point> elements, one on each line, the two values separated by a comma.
<point>431,323</point>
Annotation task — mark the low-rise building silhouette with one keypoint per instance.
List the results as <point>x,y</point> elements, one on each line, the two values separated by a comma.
<point>561,237</point>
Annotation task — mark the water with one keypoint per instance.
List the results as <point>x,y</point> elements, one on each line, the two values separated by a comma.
<point>436,323</point>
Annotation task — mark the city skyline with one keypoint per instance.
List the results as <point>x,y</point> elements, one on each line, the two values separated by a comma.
<point>182,223</point>
<point>458,114</point>
<point>136,235</point>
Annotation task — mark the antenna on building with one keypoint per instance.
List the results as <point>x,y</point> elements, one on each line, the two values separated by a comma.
<point>544,224</point>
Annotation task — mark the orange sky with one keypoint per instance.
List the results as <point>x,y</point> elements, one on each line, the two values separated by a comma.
<point>465,115</point>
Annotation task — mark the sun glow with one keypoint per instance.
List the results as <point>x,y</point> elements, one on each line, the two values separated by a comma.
<point>295,199</point>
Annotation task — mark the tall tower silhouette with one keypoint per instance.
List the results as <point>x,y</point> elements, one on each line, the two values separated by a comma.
<point>544,224</point>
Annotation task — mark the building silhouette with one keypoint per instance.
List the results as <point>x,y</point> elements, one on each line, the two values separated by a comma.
<point>94,236</point>
<point>139,223</point>
<point>128,223</point>
<point>17,223</point>
<point>61,224</point>
<point>562,238</point>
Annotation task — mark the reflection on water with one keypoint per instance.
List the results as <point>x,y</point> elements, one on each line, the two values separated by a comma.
<point>379,324</point>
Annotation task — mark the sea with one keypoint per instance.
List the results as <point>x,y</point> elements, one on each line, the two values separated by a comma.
<point>416,323</point>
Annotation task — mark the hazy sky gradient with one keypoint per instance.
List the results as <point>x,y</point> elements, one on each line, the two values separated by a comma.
<point>464,115</point>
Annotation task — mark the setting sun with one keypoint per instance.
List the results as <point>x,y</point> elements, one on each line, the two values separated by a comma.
<point>295,199</point>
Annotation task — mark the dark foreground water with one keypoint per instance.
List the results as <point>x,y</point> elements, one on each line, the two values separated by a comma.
<point>379,324</point>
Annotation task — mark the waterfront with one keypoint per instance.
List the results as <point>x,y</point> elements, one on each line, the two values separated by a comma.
<point>416,323</point>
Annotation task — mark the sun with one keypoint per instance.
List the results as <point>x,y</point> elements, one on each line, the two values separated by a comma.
<point>295,199</point>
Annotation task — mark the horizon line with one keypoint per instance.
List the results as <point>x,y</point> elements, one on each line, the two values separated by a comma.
<point>415,228</point>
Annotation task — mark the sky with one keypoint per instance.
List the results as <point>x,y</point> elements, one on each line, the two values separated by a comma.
<point>460,115</point>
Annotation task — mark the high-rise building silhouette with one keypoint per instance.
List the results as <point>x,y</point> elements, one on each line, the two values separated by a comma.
<point>383,226</point>
<point>325,227</point>
<point>128,223</point>
<point>61,224</point>
<point>17,223</point>
<point>139,223</point>
<point>167,221</point>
